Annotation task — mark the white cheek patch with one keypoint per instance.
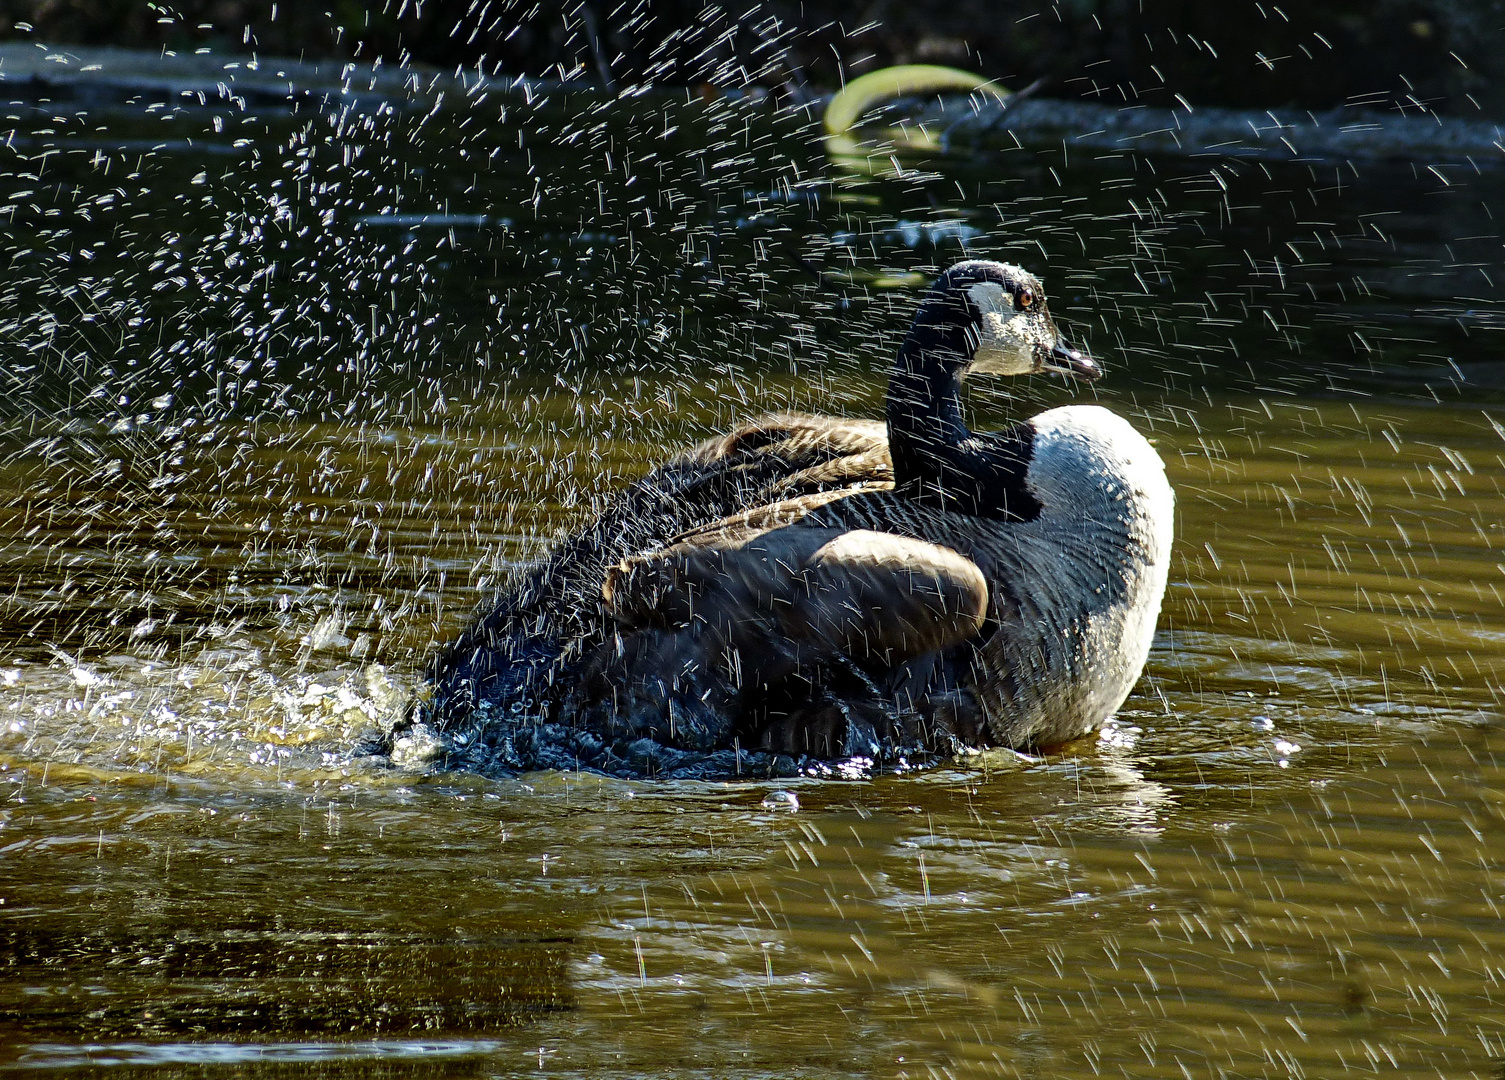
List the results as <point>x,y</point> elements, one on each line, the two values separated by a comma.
<point>990,298</point>
<point>1002,349</point>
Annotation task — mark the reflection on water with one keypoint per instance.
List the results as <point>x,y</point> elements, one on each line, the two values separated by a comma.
<point>49,1055</point>
<point>260,457</point>
<point>1128,911</point>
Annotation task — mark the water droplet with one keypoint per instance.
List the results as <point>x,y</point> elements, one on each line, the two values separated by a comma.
<point>780,800</point>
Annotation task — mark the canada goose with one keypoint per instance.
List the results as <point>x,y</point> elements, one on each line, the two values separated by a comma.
<point>821,586</point>
<point>1001,589</point>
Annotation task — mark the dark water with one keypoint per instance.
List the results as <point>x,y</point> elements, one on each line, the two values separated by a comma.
<point>287,392</point>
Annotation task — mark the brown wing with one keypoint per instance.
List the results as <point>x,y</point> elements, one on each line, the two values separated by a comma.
<point>807,453</point>
<point>867,595</point>
<point>794,436</point>
<point>548,615</point>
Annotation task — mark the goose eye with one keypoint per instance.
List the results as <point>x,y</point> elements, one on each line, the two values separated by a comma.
<point>1026,298</point>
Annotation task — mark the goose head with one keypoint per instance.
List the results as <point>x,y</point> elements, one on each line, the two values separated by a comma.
<point>991,318</point>
<point>981,317</point>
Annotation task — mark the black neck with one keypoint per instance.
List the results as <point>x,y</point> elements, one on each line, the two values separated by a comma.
<point>937,461</point>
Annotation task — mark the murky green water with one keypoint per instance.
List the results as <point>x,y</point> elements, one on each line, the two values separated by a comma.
<point>268,438</point>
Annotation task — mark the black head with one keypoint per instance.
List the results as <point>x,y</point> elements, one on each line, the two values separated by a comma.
<point>1008,329</point>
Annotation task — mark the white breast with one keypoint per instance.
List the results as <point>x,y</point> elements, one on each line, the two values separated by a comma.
<point>1086,579</point>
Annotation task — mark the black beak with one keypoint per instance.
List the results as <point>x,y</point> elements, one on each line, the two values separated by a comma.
<point>1067,361</point>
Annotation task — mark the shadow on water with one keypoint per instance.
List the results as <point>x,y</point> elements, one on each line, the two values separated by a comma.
<point>287,391</point>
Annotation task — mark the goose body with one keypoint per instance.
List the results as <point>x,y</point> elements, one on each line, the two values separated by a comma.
<point>519,654</point>
<point>829,588</point>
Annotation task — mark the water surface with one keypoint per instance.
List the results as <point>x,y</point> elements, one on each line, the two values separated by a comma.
<point>289,391</point>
